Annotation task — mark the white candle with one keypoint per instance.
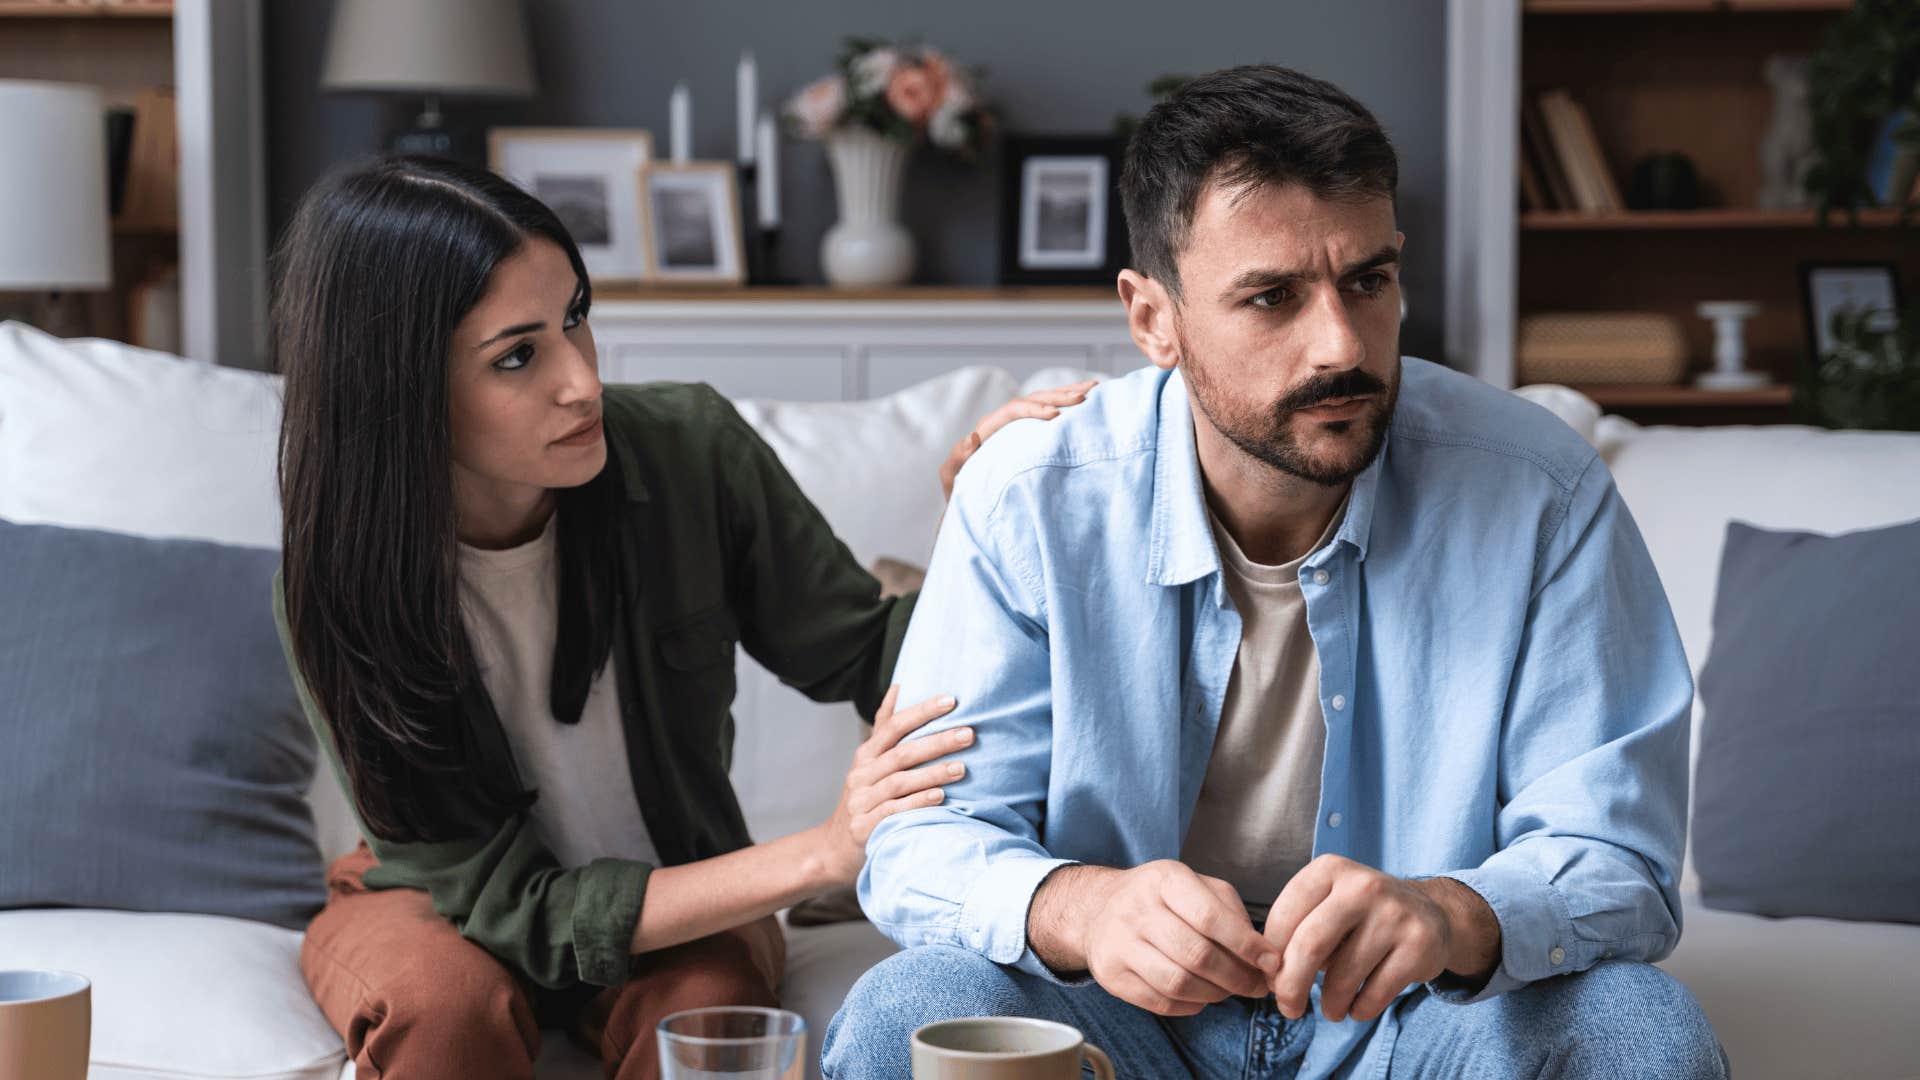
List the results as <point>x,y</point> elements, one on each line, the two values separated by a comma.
<point>769,179</point>
<point>681,126</point>
<point>747,100</point>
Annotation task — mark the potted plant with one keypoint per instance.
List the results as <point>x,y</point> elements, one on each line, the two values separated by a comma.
<point>880,103</point>
<point>1864,78</point>
<point>1870,378</point>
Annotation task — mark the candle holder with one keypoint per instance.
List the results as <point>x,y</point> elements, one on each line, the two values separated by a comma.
<point>1729,372</point>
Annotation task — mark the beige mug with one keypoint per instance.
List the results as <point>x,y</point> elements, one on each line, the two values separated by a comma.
<point>1004,1048</point>
<point>46,1022</point>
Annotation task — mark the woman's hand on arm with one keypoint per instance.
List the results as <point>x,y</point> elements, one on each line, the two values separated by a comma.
<point>691,901</point>
<point>1040,405</point>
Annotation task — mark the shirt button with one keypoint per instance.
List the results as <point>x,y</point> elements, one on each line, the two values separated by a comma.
<point>1557,957</point>
<point>1339,702</point>
<point>1333,822</point>
<point>1321,577</point>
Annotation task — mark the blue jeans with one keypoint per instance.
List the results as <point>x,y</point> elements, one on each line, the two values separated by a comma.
<point>1617,1021</point>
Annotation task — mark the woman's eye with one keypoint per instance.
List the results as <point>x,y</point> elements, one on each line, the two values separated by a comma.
<point>1270,299</point>
<point>515,360</point>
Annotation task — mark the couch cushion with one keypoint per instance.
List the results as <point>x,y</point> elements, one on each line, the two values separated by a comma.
<point>102,435</point>
<point>1807,798</point>
<point>152,753</point>
<point>178,996</point>
<point>1794,998</point>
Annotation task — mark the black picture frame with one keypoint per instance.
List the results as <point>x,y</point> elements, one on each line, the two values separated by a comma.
<point>1815,316</point>
<point>1024,262</point>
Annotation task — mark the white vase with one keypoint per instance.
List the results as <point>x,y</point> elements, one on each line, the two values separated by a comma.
<point>868,246</point>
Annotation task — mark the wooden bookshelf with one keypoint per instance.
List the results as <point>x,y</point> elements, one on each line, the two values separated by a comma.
<point>1687,76</point>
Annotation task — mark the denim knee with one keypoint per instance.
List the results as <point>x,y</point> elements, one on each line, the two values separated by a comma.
<point>1639,1020</point>
<point>870,1035</point>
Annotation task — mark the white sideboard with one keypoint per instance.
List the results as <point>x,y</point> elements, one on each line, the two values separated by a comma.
<point>823,345</point>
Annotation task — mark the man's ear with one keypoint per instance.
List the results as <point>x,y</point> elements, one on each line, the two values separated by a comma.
<point>1150,318</point>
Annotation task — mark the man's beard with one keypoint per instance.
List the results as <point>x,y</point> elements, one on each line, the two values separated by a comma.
<point>1268,436</point>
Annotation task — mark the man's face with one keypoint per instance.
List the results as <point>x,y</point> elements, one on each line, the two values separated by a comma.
<point>1289,325</point>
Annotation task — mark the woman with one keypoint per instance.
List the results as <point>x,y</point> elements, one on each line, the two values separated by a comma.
<point>511,601</point>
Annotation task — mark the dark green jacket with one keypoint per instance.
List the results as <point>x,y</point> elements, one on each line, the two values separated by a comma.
<point>720,548</point>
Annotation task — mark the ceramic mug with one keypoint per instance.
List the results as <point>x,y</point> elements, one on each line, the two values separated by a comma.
<point>1004,1048</point>
<point>46,1020</point>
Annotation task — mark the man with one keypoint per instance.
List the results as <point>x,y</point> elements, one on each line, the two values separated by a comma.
<point>1330,716</point>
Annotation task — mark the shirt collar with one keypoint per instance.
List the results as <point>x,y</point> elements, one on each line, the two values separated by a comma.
<point>1182,549</point>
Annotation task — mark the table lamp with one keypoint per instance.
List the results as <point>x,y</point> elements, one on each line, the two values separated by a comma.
<point>430,49</point>
<point>53,195</point>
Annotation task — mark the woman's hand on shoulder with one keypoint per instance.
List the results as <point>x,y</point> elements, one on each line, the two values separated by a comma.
<point>1040,405</point>
<point>891,773</point>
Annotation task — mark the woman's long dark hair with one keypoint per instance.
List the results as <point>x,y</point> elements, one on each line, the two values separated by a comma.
<point>381,262</point>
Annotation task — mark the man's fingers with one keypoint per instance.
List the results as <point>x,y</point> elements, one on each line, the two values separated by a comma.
<point>1395,972</point>
<point>1302,894</point>
<point>1351,966</point>
<point>1221,917</point>
<point>1134,990</point>
<point>1309,947</point>
<point>1174,976</point>
<point>1198,955</point>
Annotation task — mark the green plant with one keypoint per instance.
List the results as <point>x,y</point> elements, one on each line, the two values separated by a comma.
<point>1870,378</point>
<point>1867,69</point>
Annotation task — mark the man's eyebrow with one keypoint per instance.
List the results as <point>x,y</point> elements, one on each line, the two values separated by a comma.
<point>1264,278</point>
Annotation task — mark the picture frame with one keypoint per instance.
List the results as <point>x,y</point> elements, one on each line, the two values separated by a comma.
<point>1060,216</point>
<point>691,222</point>
<point>1825,288</point>
<point>589,177</point>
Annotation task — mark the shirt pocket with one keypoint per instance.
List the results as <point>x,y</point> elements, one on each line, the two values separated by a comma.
<point>696,687</point>
<point>699,642</point>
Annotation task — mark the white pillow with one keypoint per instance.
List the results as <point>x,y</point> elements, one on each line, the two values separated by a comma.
<point>96,434</point>
<point>1575,409</point>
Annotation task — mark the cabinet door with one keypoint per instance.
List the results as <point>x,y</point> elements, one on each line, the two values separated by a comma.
<point>891,368</point>
<point>803,373</point>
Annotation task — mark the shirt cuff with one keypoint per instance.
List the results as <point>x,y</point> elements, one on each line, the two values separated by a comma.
<point>1537,940</point>
<point>993,917</point>
<point>606,909</point>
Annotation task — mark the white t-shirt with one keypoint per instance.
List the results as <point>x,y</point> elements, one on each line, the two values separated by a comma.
<point>510,602</point>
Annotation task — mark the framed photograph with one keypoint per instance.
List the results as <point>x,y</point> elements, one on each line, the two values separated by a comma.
<point>1828,288</point>
<point>589,176</point>
<point>692,220</point>
<point>1060,218</point>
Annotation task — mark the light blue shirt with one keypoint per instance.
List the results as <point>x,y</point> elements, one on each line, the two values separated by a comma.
<point>1505,694</point>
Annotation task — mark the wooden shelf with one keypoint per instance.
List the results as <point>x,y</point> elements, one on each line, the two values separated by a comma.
<point>1678,7</point>
<point>1574,220</point>
<point>12,9</point>
<point>1685,397</point>
<point>825,294</point>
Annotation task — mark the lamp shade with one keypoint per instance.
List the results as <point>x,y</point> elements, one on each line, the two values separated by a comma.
<point>473,48</point>
<point>53,187</point>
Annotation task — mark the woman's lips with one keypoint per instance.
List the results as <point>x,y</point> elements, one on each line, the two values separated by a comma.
<point>585,436</point>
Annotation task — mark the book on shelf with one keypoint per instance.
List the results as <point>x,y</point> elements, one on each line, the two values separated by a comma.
<point>1573,143</point>
<point>152,195</point>
<point>1535,147</point>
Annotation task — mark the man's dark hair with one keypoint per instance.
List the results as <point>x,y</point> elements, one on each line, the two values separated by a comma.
<point>1243,128</point>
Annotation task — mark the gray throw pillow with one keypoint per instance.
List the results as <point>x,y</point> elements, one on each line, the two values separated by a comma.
<point>1807,798</point>
<point>152,752</point>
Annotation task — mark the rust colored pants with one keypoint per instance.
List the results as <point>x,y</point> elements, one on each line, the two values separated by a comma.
<point>416,1001</point>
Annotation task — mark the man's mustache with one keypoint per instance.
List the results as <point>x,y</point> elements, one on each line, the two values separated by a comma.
<point>1340,384</point>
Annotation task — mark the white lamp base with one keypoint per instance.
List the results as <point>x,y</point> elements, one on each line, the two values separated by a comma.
<point>1733,380</point>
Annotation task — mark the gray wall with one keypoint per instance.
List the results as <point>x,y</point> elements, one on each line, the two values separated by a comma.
<point>1051,66</point>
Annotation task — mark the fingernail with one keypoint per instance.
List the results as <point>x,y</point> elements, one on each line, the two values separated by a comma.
<point>947,701</point>
<point>956,770</point>
<point>963,736</point>
<point>936,795</point>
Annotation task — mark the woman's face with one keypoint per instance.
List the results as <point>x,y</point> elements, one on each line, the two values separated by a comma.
<point>525,389</point>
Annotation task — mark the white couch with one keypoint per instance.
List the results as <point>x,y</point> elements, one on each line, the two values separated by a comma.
<point>98,435</point>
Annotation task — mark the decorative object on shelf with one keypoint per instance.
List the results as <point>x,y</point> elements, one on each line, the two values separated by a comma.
<point>1729,318</point>
<point>680,125</point>
<point>1787,150</point>
<point>692,216</point>
<point>1866,70</point>
<point>429,49</point>
<point>1869,377</point>
<point>153,312</point>
<point>1664,182</point>
<point>763,262</point>
<point>591,179</point>
<point>1060,217</point>
<point>1830,290</point>
<point>881,102</point>
<point>1604,347</point>
<point>53,198</point>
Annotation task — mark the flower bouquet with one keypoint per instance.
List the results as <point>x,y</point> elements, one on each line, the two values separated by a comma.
<point>904,93</point>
